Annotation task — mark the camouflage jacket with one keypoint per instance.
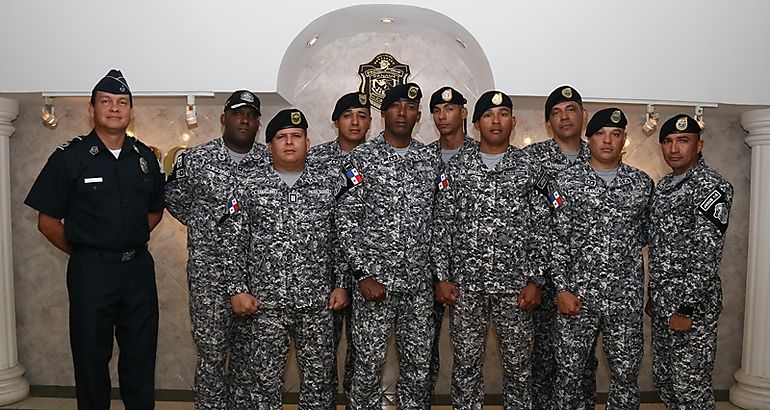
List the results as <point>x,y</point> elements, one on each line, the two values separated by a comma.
<point>290,243</point>
<point>385,215</point>
<point>599,232</point>
<point>469,144</point>
<point>199,192</point>
<point>331,157</point>
<point>689,220</point>
<point>551,159</point>
<point>490,231</point>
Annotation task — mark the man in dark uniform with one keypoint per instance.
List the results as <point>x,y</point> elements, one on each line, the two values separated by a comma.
<point>690,213</point>
<point>98,198</point>
<point>202,192</point>
<point>564,116</point>
<point>352,118</point>
<point>447,106</point>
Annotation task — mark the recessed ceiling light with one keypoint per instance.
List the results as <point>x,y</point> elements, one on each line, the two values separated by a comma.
<point>387,20</point>
<point>312,41</point>
<point>461,43</point>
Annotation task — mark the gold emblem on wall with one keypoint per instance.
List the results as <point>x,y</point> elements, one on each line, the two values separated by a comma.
<point>380,75</point>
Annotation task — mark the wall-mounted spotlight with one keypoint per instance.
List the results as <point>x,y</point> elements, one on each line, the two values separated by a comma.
<point>651,121</point>
<point>191,113</point>
<point>699,116</point>
<point>48,114</point>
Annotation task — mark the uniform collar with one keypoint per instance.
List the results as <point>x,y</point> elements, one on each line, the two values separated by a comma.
<point>583,152</point>
<point>96,146</point>
<point>667,182</point>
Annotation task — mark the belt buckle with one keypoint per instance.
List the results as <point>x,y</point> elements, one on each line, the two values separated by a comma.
<point>127,256</point>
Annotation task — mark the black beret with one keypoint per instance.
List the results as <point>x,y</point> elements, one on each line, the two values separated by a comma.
<point>446,95</point>
<point>559,95</point>
<point>289,118</point>
<point>681,123</point>
<point>113,83</point>
<point>241,98</point>
<point>402,92</point>
<point>491,99</point>
<point>608,117</point>
<point>348,101</point>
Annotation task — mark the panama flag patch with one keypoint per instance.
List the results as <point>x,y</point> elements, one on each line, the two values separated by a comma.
<point>233,207</point>
<point>556,199</point>
<point>353,176</point>
<point>442,182</point>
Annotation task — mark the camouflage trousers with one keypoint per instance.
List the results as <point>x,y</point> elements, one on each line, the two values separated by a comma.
<point>438,318</point>
<point>544,360</point>
<point>215,331</point>
<point>470,318</point>
<point>682,362</point>
<point>623,344</point>
<point>410,315</point>
<point>272,331</point>
<point>341,317</point>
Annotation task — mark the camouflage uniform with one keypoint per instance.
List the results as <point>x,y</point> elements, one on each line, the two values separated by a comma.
<point>384,225</point>
<point>599,232</point>
<point>204,179</point>
<point>552,160</point>
<point>491,239</point>
<point>469,144</point>
<point>689,219</point>
<point>331,156</point>
<point>290,273</point>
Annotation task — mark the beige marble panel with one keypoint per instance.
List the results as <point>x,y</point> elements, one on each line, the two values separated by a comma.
<point>41,299</point>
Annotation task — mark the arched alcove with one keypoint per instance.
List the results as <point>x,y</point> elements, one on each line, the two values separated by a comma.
<point>438,50</point>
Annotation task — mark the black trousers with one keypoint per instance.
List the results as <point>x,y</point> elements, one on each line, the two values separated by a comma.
<point>113,297</point>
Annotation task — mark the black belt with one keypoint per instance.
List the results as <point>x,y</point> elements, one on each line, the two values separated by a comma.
<point>115,256</point>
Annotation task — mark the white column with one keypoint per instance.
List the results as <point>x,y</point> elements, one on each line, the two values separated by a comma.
<point>13,385</point>
<point>752,387</point>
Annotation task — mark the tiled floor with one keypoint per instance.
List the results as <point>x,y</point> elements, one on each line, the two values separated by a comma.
<point>45,403</point>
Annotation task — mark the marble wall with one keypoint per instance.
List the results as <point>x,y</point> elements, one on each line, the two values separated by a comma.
<point>39,268</point>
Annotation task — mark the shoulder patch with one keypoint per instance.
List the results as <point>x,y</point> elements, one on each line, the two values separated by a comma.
<point>349,179</point>
<point>556,198</point>
<point>442,182</point>
<point>715,209</point>
<point>178,171</point>
<point>541,181</point>
<point>70,142</point>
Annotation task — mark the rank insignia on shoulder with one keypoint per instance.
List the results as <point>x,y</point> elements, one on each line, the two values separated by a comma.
<point>442,182</point>
<point>70,142</point>
<point>715,209</point>
<point>94,150</point>
<point>556,199</point>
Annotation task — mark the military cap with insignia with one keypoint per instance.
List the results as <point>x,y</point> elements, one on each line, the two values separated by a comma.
<point>608,117</point>
<point>112,83</point>
<point>446,95</point>
<point>679,124</point>
<point>242,98</point>
<point>559,95</point>
<point>403,92</point>
<point>491,99</point>
<point>288,118</point>
<point>348,101</point>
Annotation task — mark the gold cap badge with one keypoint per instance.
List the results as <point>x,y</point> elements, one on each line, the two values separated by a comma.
<point>296,117</point>
<point>567,92</point>
<point>412,93</point>
<point>362,99</point>
<point>681,124</point>
<point>497,99</point>
<point>615,116</point>
<point>446,95</point>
